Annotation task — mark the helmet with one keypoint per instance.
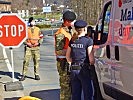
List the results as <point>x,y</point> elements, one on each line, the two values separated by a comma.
<point>69,15</point>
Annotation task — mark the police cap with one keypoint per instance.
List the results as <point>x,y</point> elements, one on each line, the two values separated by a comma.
<point>69,15</point>
<point>80,24</point>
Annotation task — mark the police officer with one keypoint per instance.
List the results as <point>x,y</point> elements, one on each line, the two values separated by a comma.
<point>80,55</point>
<point>32,49</point>
<point>62,38</point>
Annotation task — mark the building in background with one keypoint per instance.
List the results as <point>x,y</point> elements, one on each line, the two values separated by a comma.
<point>23,13</point>
<point>5,6</point>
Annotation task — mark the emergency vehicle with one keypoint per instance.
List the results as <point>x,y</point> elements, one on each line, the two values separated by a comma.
<point>113,42</point>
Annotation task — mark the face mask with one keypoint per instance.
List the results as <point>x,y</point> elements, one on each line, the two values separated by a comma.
<point>32,23</point>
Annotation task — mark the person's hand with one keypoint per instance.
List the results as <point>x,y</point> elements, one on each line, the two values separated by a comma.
<point>36,44</point>
<point>59,52</point>
<point>29,44</point>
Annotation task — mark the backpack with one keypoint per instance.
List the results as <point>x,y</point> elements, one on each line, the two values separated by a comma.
<point>59,41</point>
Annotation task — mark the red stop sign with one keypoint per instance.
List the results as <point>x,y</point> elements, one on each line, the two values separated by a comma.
<point>13,31</point>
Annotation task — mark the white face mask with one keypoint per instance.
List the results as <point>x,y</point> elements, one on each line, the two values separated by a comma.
<point>33,23</point>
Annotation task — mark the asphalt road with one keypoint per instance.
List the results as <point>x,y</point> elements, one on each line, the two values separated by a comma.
<point>49,31</point>
<point>47,88</point>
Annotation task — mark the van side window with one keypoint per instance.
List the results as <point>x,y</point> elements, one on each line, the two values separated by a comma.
<point>106,25</point>
<point>102,28</point>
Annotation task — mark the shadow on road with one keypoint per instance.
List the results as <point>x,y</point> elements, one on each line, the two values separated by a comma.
<point>14,98</point>
<point>16,74</point>
<point>43,95</point>
<point>46,94</point>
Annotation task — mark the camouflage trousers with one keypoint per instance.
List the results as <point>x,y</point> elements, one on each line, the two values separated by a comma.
<point>31,53</point>
<point>65,89</point>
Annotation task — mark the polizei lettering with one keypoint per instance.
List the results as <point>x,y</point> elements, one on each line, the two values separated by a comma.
<point>77,45</point>
<point>126,14</point>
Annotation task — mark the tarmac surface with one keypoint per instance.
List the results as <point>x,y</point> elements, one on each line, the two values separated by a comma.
<point>46,89</point>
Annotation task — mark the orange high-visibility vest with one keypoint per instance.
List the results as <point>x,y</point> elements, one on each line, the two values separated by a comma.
<point>33,35</point>
<point>67,36</point>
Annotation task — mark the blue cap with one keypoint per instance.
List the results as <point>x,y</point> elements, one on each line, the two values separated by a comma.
<point>80,24</point>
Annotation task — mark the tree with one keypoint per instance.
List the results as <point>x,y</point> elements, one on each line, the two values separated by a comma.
<point>26,4</point>
<point>88,10</point>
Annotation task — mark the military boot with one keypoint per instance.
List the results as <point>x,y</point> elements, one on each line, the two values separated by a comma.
<point>37,77</point>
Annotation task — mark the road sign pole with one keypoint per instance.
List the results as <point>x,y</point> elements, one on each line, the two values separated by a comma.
<point>12,61</point>
<point>13,86</point>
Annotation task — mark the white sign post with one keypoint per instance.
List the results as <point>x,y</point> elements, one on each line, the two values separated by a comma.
<point>13,32</point>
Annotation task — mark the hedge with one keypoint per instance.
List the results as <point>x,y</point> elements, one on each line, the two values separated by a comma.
<point>43,26</point>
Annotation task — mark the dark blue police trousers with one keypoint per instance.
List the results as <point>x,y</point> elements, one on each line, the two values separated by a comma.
<point>81,82</point>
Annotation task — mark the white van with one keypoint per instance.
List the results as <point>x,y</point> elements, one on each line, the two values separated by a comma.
<point>114,49</point>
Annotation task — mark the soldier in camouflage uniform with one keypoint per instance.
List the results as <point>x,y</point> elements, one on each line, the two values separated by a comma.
<point>32,49</point>
<point>62,38</point>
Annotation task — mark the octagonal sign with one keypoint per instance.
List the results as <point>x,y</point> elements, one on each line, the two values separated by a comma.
<point>13,31</point>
